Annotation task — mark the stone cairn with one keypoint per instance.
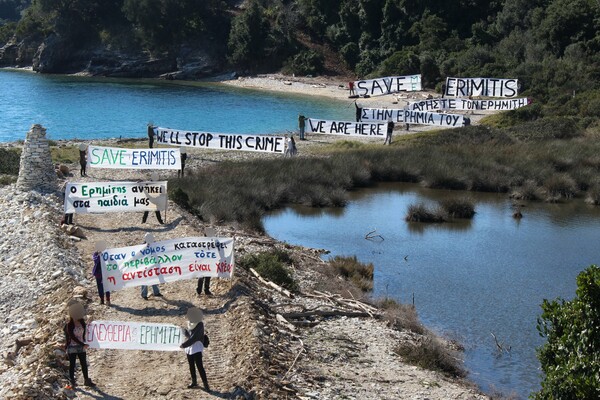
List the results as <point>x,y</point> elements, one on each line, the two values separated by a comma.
<point>36,170</point>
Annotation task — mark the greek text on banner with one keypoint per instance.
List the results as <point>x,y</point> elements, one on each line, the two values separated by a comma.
<point>346,128</point>
<point>388,85</point>
<point>486,87</point>
<point>133,336</point>
<point>466,104</point>
<point>116,158</point>
<point>220,141</point>
<point>103,197</point>
<point>412,117</point>
<point>166,261</point>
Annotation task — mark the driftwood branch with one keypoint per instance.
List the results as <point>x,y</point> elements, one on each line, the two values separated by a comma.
<point>338,313</point>
<point>370,236</point>
<point>272,285</point>
<point>295,359</point>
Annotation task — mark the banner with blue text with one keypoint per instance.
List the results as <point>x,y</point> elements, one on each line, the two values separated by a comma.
<point>486,87</point>
<point>117,158</point>
<point>167,261</point>
<point>220,141</point>
<point>104,197</point>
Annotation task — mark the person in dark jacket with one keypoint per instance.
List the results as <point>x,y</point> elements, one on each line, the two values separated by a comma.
<point>301,125</point>
<point>82,159</point>
<point>358,112</point>
<point>183,153</point>
<point>75,343</point>
<point>390,132</point>
<point>194,346</point>
<point>150,135</point>
<point>204,281</point>
<point>97,272</point>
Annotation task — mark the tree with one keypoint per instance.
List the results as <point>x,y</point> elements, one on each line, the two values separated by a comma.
<point>248,36</point>
<point>571,357</point>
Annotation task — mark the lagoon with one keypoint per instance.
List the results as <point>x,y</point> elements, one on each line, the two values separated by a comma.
<point>99,108</point>
<point>469,278</point>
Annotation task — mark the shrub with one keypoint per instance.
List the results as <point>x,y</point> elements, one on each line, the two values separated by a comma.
<point>307,62</point>
<point>593,195</point>
<point>360,274</point>
<point>458,208</point>
<point>421,213</point>
<point>271,267</point>
<point>529,190</point>
<point>547,129</point>
<point>401,316</point>
<point>569,358</point>
<point>9,161</point>
<point>430,353</point>
<point>180,197</point>
<point>560,186</point>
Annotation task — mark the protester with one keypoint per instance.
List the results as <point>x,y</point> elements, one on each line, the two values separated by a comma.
<point>351,87</point>
<point>150,135</point>
<point>183,158</point>
<point>82,159</point>
<point>467,121</point>
<point>301,125</point>
<point>390,131</point>
<point>75,345</point>
<point>443,90</point>
<point>153,178</point>
<point>358,112</point>
<point>97,272</point>
<point>149,239</point>
<point>194,346</point>
<point>407,127</point>
<point>68,218</point>
<point>206,282</point>
<point>288,146</point>
<point>293,148</point>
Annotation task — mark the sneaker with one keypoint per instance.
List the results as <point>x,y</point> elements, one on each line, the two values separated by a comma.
<point>145,297</point>
<point>108,303</point>
<point>209,293</point>
<point>88,382</point>
<point>158,295</point>
<point>102,302</point>
<point>73,384</point>
<point>192,385</point>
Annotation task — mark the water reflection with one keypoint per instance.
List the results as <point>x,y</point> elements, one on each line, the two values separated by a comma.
<point>469,277</point>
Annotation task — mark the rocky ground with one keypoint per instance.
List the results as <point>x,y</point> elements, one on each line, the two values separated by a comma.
<point>255,352</point>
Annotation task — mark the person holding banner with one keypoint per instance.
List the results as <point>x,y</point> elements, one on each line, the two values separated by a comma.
<point>75,333</point>
<point>150,135</point>
<point>97,272</point>
<point>390,131</point>
<point>194,346</point>
<point>301,125</point>
<point>82,159</point>
<point>358,112</point>
<point>149,239</point>
<point>183,153</point>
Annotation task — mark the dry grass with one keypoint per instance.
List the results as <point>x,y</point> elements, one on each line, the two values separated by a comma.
<point>458,208</point>
<point>360,274</point>
<point>431,353</point>
<point>422,213</point>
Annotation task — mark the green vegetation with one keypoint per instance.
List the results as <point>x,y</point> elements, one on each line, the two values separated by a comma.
<point>9,161</point>
<point>271,266</point>
<point>571,357</point>
<point>360,274</point>
<point>64,154</point>
<point>527,164</point>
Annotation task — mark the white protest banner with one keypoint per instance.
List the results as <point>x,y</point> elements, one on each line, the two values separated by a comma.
<point>412,117</point>
<point>346,128</point>
<point>133,336</point>
<point>486,87</point>
<point>166,261</point>
<point>466,104</point>
<point>388,85</point>
<point>223,141</point>
<point>103,197</point>
<point>117,158</point>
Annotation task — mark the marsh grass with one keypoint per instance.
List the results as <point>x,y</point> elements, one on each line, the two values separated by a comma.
<point>360,274</point>
<point>550,158</point>
<point>458,208</point>
<point>400,316</point>
<point>422,213</point>
<point>431,353</point>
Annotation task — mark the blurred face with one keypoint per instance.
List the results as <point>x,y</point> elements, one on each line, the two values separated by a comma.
<point>76,311</point>
<point>194,315</point>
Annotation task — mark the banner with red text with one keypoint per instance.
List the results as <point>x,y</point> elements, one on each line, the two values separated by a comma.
<point>133,336</point>
<point>220,141</point>
<point>167,261</point>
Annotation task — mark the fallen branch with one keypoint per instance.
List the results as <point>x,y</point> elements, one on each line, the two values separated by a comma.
<point>296,315</point>
<point>370,236</point>
<point>295,359</point>
<point>272,284</point>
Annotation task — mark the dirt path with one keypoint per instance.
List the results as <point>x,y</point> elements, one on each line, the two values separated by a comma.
<point>146,374</point>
